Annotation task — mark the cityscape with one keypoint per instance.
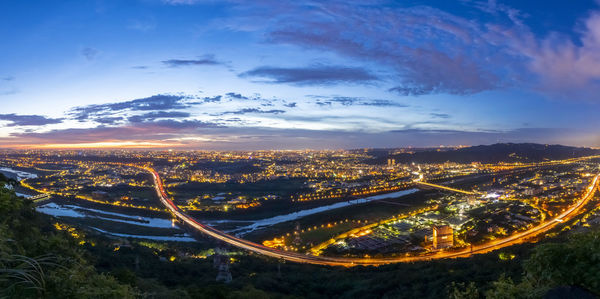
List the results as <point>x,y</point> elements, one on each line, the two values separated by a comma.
<point>336,208</point>
<point>299,149</point>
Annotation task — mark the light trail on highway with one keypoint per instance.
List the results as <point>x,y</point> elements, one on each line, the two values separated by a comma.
<point>349,262</point>
<point>446,188</point>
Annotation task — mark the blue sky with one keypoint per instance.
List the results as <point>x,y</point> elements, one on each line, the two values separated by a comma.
<point>265,74</point>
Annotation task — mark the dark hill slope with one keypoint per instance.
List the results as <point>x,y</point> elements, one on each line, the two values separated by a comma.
<point>500,152</point>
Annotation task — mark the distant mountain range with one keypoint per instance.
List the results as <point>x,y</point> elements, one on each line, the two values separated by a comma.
<point>500,152</point>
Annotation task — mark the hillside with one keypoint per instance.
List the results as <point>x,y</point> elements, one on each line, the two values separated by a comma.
<point>500,152</point>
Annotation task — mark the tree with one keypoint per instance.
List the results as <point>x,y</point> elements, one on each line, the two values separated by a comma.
<point>462,291</point>
<point>574,262</point>
<point>38,261</point>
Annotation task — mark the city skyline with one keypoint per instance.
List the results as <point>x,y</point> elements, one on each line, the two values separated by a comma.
<point>232,75</point>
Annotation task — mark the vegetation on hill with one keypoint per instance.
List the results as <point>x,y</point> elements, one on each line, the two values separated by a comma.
<point>36,260</point>
<point>500,152</point>
<point>568,266</point>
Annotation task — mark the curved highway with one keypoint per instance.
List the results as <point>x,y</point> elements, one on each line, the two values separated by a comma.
<point>348,262</point>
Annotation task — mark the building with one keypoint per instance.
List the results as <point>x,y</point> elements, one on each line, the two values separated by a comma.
<point>99,195</point>
<point>297,240</point>
<point>533,191</point>
<point>443,237</point>
<point>391,162</point>
<point>472,200</point>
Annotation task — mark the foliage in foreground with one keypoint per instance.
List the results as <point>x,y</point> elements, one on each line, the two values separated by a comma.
<point>574,262</point>
<point>37,261</point>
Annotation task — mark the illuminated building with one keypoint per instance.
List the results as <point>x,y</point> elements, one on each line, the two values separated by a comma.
<point>472,199</point>
<point>391,162</point>
<point>443,237</point>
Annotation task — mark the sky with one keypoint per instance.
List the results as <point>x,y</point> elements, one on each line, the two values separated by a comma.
<point>273,74</point>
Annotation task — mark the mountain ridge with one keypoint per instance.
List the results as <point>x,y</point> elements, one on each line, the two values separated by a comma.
<point>498,152</point>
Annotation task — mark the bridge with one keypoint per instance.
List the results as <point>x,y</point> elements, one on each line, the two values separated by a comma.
<point>40,198</point>
<point>448,188</point>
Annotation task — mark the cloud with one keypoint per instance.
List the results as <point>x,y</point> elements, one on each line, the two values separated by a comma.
<point>413,90</point>
<point>564,68</point>
<point>494,8</point>
<point>181,124</point>
<point>161,106</point>
<point>428,50</point>
<point>153,131</point>
<point>213,99</point>
<point>151,116</point>
<point>89,53</point>
<point>28,120</point>
<point>382,103</point>
<point>108,120</point>
<point>236,96</point>
<point>254,97</point>
<point>360,101</point>
<point>198,135</point>
<point>312,75</point>
<point>253,110</point>
<point>206,60</point>
<point>440,115</point>
<point>156,102</point>
<point>425,50</point>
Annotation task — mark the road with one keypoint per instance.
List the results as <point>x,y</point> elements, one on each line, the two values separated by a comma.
<point>446,188</point>
<point>349,262</point>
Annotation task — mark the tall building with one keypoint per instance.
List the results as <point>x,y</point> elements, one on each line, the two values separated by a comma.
<point>297,240</point>
<point>391,162</point>
<point>443,237</point>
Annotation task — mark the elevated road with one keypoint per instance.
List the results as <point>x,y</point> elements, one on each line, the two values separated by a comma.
<point>40,198</point>
<point>349,262</point>
<point>447,188</point>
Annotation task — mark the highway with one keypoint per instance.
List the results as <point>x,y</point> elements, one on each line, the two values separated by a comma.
<point>445,188</point>
<point>349,262</point>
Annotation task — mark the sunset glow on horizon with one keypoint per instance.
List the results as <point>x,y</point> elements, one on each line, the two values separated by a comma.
<point>102,145</point>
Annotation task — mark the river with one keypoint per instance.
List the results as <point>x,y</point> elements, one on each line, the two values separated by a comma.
<point>18,173</point>
<point>258,224</point>
<point>76,211</point>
